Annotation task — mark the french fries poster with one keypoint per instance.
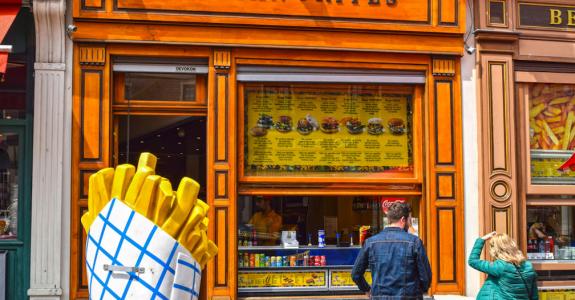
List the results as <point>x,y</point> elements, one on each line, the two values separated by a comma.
<point>551,126</point>
<point>327,130</point>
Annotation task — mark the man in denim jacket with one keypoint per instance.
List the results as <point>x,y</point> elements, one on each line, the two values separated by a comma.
<point>397,260</point>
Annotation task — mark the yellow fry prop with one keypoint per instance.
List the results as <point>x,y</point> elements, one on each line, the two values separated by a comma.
<point>179,213</point>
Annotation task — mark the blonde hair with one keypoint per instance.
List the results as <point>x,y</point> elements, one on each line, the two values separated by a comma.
<point>504,248</point>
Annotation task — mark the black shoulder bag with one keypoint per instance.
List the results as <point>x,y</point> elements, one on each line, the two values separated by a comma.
<point>529,291</point>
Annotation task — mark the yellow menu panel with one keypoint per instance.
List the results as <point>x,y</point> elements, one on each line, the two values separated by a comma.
<point>281,279</point>
<point>343,279</point>
<point>325,130</point>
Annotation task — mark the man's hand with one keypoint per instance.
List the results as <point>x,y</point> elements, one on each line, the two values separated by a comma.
<point>489,235</point>
<point>368,295</point>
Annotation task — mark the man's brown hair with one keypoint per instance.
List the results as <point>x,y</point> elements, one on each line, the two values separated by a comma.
<point>398,210</point>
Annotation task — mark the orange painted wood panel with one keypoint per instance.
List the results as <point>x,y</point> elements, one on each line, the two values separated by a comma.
<point>448,12</point>
<point>221,240</point>
<point>92,3</point>
<point>446,245</point>
<point>444,122</point>
<point>221,184</point>
<point>418,11</point>
<point>445,186</point>
<point>91,106</point>
<point>222,115</point>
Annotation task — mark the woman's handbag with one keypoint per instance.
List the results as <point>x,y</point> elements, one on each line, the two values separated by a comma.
<point>529,291</point>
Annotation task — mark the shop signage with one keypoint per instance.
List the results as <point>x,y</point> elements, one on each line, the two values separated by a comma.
<point>386,202</point>
<point>327,130</point>
<point>546,16</point>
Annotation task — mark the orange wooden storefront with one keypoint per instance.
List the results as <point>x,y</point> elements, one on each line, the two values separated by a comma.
<point>390,37</point>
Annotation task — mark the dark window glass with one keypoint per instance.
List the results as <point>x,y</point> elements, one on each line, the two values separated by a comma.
<point>179,143</point>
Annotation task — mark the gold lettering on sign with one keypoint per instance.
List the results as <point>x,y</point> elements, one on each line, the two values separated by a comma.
<point>556,18</point>
<point>571,18</point>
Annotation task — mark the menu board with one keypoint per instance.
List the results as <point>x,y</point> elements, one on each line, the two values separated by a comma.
<point>281,279</point>
<point>323,130</point>
<point>342,279</point>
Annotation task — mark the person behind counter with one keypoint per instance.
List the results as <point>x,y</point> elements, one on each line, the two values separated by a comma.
<point>394,278</point>
<point>510,275</point>
<point>266,222</point>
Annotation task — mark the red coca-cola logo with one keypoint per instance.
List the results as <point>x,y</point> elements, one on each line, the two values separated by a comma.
<point>386,202</point>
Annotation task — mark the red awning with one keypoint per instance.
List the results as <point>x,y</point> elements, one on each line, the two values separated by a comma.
<point>8,11</point>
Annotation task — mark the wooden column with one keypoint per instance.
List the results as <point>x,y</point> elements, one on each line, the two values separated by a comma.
<point>221,272</point>
<point>90,145</point>
<point>498,184</point>
<point>445,178</point>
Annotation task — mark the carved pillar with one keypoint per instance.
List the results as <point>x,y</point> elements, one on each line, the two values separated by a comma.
<point>498,177</point>
<point>445,178</point>
<point>221,272</point>
<point>49,152</point>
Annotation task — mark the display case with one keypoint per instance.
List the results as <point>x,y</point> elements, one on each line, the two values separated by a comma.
<point>301,244</point>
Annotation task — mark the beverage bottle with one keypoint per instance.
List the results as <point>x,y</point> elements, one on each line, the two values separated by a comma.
<point>551,244</point>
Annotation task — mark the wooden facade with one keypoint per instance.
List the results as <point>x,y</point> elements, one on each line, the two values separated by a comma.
<point>518,43</point>
<point>420,35</point>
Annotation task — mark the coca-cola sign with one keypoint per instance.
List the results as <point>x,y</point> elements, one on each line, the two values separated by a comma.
<point>386,202</point>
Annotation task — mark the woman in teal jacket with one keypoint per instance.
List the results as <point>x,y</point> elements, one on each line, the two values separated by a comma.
<point>510,275</point>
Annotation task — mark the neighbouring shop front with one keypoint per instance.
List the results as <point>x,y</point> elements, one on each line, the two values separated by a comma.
<point>528,112</point>
<point>16,98</point>
<point>299,119</point>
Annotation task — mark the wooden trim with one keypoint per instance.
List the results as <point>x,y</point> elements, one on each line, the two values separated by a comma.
<point>554,266</point>
<point>260,37</point>
<point>544,77</point>
<point>417,99</point>
<point>372,15</point>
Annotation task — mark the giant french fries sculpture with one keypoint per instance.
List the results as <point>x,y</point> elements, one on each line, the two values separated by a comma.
<point>145,241</point>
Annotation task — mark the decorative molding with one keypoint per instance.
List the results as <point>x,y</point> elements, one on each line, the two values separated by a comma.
<point>500,191</point>
<point>47,267</point>
<point>94,56</point>
<point>443,67</point>
<point>49,17</point>
<point>222,60</point>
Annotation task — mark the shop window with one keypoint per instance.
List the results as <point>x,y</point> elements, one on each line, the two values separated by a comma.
<point>328,129</point>
<point>179,142</point>
<point>551,232</point>
<point>307,244</point>
<point>10,155</point>
<point>160,81</point>
<point>551,111</point>
<point>163,87</point>
<point>13,86</point>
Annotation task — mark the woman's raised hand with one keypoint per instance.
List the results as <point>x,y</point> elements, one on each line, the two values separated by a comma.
<point>489,235</point>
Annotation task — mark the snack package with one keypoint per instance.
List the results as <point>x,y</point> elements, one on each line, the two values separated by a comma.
<point>144,239</point>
